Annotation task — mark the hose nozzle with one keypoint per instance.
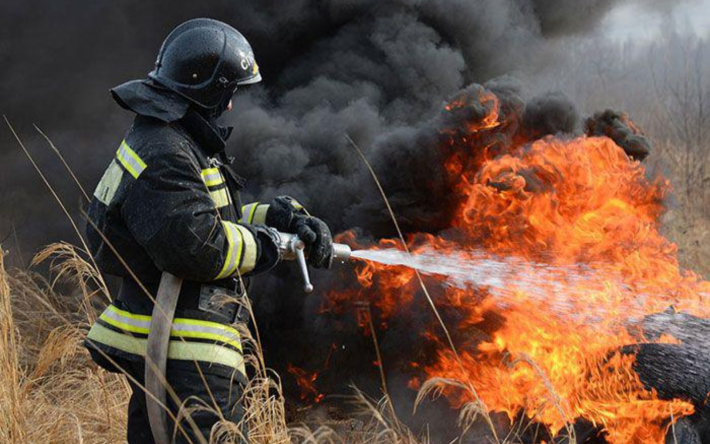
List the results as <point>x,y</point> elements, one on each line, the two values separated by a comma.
<point>293,248</point>
<point>341,252</point>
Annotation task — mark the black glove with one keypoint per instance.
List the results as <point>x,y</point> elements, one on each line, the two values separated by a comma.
<point>282,213</point>
<point>319,242</point>
<point>288,215</point>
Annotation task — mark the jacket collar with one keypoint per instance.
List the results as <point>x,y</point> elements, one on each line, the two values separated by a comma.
<point>148,98</point>
<point>211,141</point>
<point>206,135</point>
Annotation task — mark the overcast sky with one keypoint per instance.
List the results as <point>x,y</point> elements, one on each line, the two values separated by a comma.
<point>635,21</point>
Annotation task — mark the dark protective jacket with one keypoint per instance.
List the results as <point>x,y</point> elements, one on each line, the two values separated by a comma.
<point>169,202</point>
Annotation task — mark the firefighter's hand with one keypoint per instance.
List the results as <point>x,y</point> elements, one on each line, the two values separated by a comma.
<point>319,242</point>
<point>283,212</point>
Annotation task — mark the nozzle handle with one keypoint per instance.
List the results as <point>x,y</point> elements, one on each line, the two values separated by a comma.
<point>301,259</point>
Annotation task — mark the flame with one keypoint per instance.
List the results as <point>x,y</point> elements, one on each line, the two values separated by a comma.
<point>561,202</point>
<point>307,380</point>
<point>306,383</point>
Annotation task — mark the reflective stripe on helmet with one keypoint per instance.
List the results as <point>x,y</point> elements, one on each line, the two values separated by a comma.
<point>254,213</point>
<point>182,327</point>
<point>212,177</point>
<point>130,160</point>
<point>241,250</point>
<point>177,349</point>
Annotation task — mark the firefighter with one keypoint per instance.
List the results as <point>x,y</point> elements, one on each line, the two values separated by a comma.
<point>169,202</point>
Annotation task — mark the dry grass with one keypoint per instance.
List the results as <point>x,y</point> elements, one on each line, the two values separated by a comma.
<point>687,219</point>
<point>49,390</point>
<point>691,233</point>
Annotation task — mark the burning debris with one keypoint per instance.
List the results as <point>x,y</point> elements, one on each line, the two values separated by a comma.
<point>306,382</point>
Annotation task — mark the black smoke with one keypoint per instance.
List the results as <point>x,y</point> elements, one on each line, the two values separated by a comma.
<point>376,70</point>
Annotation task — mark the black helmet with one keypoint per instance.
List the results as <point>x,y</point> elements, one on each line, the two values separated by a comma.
<point>205,60</point>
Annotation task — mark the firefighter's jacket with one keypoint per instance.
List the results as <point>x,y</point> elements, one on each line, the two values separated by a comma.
<point>167,202</point>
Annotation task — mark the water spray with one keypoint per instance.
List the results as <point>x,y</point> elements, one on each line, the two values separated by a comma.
<point>559,287</point>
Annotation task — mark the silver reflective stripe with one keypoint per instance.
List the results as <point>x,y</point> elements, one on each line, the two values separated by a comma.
<point>248,212</point>
<point>133,323</point>
<point>254,213</point>
<point>212,177</point>
<point>241,250</point>
<point>130,160</point>
<point>205,332</point>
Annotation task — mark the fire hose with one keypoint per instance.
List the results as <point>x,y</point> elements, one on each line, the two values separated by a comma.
<point>292,249</point>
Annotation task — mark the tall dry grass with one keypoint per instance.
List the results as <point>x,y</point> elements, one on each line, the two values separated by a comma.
<point>49,390</point>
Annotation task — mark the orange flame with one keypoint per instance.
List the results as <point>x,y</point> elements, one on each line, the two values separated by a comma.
<point>560,202</point>
<point>306,383</point>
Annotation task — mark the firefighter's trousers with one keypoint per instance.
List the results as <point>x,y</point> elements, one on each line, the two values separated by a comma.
<point>208,398</point>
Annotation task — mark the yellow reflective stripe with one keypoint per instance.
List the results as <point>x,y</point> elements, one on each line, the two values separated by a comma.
<point>200,351</point>
<point>202,335</point>
<point>234,247</point>
<point>260,214</point>
<point>248,212</point>
<point>130,160</point>
<point>179,350</point>
<point>254,213</point>
<point>241,250</point>
<point>110,181</point>
<point>182,327</point>
<point>220,197</point>
<point>212,177</point>
<point>296,205</point>
<point>249,250</point>
<point>128,314</point>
